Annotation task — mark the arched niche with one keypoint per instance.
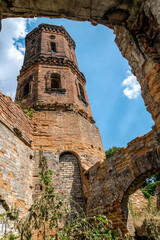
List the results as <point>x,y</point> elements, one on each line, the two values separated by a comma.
<point>71,184</point>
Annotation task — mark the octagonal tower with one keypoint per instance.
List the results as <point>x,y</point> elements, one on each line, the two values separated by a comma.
<point>51,83</point>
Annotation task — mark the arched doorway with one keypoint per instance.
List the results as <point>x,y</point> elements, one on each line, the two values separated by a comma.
<point>71,186</point>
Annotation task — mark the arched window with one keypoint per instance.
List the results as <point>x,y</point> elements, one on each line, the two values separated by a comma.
<point>52,36</point>
<point>53,47</point>
<point>55,81</point>
<point>81,91</point>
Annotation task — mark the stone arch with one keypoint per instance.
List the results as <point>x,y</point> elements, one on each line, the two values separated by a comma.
<point>70,177</point>
<point>112,181</point>
<point>143,167</point>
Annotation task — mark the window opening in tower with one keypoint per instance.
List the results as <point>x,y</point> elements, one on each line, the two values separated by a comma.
<point>53,47</point>
<point>26,89</point>
<point>55,81</point>
<point>81,91</point>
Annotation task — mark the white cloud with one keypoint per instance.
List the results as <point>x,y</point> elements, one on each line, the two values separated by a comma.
<point>132,87</point>
<point>11,52</point>
<point>31,20</point>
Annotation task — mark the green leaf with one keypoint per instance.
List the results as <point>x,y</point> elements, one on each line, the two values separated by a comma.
<point>103,218</point>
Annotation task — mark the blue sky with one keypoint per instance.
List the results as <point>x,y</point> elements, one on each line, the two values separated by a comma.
<point>114,94</point>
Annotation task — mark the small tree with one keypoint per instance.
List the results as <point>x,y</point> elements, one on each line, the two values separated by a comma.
<point>111,151</point>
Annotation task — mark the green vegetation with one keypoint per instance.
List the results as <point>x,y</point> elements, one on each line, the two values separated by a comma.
<point>29,112</point>
<point>149,187</point>
<point>50,215</point>
<point>146,222</point>
<point>111,151</point>
<point>53,220</point>
<point>9,237</point>
<point>146,194</point>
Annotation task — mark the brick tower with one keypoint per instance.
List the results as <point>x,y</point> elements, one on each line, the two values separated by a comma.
<point>51,83</point>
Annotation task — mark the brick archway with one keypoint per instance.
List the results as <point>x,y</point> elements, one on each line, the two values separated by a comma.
<point>143,167</point>
<point>135,23</point>
<point>71,185</point>
<point>111,182</point>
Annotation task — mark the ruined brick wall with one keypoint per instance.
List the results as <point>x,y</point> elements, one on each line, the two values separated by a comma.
<point>15,120</point>
<point>138,211</point>
<point>15,156</point>
<point>111,182</point>
<point>138,201</point>
<point>105,186</point>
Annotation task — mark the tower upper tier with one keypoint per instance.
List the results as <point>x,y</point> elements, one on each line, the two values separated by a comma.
<point>49,41</point>
<point>50,78</point>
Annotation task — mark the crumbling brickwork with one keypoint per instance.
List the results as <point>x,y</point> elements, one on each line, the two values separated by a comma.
<point>15,157</point>
<point>62,122</point>
<point>12,116</point>
<point>110,183</point>
<point>138,201</point>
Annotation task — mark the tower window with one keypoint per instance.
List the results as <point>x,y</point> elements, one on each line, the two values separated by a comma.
<point>52,36</point>
<point>81,91</point>
<point>53,47</point>
<point>55,81</point>
<point>26,89</point>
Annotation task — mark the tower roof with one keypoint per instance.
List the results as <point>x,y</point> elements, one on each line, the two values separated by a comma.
<point>52,29</point>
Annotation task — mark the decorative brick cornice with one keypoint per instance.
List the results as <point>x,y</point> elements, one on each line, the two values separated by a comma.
<point>52,29</point>
<point>57,61</point>
<point>65,107</point>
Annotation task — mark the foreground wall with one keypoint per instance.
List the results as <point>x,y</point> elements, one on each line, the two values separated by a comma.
<point>15,157</point>
<point>73,153</point>
<point>110,183</point>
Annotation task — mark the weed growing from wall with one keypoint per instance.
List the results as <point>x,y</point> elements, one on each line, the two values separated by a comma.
<point>29,112</point>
